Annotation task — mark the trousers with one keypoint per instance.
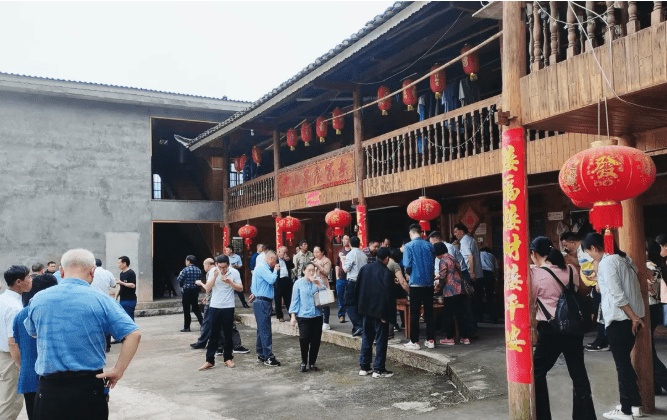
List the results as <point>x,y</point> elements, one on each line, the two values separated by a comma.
<point>455,309</point>
<point>349,306</point>
<point>10,402</point>
<point>421,296</point>
<point>79,398</point>
<point>374,329</point>
<point>659,369</point>
<point>283,294</point>
<point>621,342</point>
<point>190,299</point>
<point>264,345</point>
<point>220,319</point>
<point>310,338</point>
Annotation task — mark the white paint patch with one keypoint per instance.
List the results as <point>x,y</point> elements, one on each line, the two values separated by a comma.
<point>420,407</point>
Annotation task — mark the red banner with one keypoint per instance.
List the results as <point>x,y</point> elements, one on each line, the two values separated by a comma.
<point>321,174</point>
<point>515,240</point>
<point>361,223</point>
<point>279,234</point>
<point>225,236</point>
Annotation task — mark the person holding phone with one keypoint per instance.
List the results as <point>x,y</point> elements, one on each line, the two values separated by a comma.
<point>307,315</point>
<point>623,309</point>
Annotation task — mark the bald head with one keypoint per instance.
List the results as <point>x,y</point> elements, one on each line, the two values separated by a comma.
<point>208,264</point>
<point>78,263</point>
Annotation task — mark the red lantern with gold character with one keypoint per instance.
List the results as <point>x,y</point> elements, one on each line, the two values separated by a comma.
<point>410,95</point>
<point>321,128</point>
<point>291,138</point>
<point>237,166</point>
<point>338,219</point>
<point>289,225</point>
<point>605,176</point>
<point>385,99</point>
<point>306,133</point>
<point>257,155</point>
<point>470,62</point>
<point>338,122</point>
<point>242,159</point>
<point>424,209</point>
<point>438,81</point>
<point>248,232</point>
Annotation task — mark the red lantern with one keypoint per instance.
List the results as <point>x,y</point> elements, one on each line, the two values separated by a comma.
<point>257,155</point>
<point>582,205</point>
<point>470,62</point>
<point>605,176</point>
<point>424,209</point>
<point>321,127</point>
<point>338,122</point>
<point>385,99</point>
<point>438,81</point>
<point>248,232</point>
<point>338,219</point>
<point>291,138</point>
<point>410,95</point>
<point>306,133</point>
<point>289,225</point>
<point>237,164</point>
<point>241,163</point>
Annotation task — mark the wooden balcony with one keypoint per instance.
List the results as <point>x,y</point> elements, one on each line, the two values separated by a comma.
<point>623,64</point>
<point>251,199</point>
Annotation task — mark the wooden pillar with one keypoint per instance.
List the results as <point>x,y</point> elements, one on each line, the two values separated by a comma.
<point>225,189</point>
<point>633,22</point>
<point>359,168</point>
<point>631,240</point>
<point>276,195</point>
<point>521,395</point>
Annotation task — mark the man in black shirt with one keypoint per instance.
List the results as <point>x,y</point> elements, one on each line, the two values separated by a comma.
<point>128,286</point>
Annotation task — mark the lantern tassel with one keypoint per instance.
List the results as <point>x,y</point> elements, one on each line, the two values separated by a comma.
<point>384,112</point>
<point>291,148</point>
<point>338,132</point>
<point>321,139</point>
<point>606,215</point>
<point>411,108</point>
<point>307,144</point>
<point>608,242</point>
<point>473,76</point>
<point>438,95</point>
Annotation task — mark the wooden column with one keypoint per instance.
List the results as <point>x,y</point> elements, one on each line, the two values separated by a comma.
<point>225,184</point>
<point>521,395</point>
<point>276,195</point>
<point>359,167</point>
<point>631,240</point>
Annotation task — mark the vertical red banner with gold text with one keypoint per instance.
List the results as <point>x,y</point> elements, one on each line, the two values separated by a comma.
<point>225,236</point>
<point>515,243</point>
<point>279,234</point>
<point>361,223</point>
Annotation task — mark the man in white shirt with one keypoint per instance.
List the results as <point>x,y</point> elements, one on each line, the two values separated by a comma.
<point>18,281</point>
<point>103,279</point>
<point>224,282</point>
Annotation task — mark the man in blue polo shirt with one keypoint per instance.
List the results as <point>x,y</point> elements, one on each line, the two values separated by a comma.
<point>263,278</point>
<point>69,322</point>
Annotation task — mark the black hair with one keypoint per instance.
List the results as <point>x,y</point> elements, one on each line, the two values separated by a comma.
<point>440,248</point>
<point>125,260</point>
<point>486,249</point>
<point>222,259</point>
<point>545,248</point>
<point>303,269</point>
<point>303,241</point>
<point>570,236</point>
<point>98,262</point>
<point>51,262</point>
<point>661,239</point>
<point>383,253</point>
<point>373,240</point>
<point>463,228</point>
<point>37,267</point>
<point>14,273</point>
<point>405,241</point>
<point>230,246</point>
<point>435,235</point>
<point>596,240</point>
<point>415,228</point>
<point>354,241</point>
<point>39,283</point>
<point>397,255</point>
<point>191,258</point>
<point>653,252</point>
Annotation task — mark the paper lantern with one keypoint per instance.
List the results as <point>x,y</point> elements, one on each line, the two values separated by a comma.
<point>289,225</point>
<point>291,138</point>
<point>241,163</point>
<point>605,176</point>
<point>424,209</point>
<point>470,62</point>
<point>321,128</point>
<point>338,219</point>
<point>410,95</point>
<point>306,133</point>
<point>438,81</point>
<point>257,155</point>
<point>237,164</point>
<point>338,122</point>
<point>384,104</point>
<point>248,232</point>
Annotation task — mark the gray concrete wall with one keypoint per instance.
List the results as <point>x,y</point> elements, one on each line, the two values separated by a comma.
<point>73,171</point>
<point>191,211</point>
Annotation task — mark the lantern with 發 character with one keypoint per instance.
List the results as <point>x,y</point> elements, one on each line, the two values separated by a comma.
<point>289,225</point>
<point>338,219</point>
<point>424,209</point>
<point>248,232</point>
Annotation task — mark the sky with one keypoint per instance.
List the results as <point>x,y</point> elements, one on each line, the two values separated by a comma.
<point>241,50</point>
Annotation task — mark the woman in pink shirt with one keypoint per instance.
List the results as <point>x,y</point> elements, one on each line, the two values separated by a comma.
<point>549,262</point>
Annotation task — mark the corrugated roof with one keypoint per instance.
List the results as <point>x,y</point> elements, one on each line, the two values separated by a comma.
<point>117,86</point>
<point>370,25</point>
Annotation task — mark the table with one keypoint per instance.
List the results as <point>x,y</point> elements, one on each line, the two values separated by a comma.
<point>404,305</point>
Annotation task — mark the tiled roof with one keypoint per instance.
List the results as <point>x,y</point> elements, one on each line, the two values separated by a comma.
<point>122,87</point>
<point>371,25</point>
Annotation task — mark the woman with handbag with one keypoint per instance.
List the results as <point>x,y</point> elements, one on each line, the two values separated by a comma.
<point>307,315</point>
<point>323,271</point>
<point>548,278</point>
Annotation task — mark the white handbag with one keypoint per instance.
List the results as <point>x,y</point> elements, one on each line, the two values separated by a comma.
<point>324,297</point>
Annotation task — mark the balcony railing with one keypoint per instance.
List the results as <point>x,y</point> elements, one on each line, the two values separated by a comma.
<point>467,131</point>
<point>256,191</point>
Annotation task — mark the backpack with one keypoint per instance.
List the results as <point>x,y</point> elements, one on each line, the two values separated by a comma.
<point>569,317</point>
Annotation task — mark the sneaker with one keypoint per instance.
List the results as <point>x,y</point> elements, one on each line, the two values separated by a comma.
<point>364,372</point>
<point>447,341</point>
<point>218,352</point>
<point>357,333</point>
<point>260,359</point>
<point>411,346</point>
<point>198,346</point>
<point>326,327</point>
<point>429,344</point>
<point>240,350</point>
<point>636,411</point>
<point>383,374</point>
<point>185,330</point>
<point>617,415</point>
<point>271,362</point>
<point>596,347</point>
<point>465,341</point>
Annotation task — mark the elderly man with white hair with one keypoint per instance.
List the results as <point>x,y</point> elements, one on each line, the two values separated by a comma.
<point>69,322</point>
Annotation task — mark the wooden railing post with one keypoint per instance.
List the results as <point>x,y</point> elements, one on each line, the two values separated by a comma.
<point>530,22</point>
<point>611,22</point>
<point>657,15</point>
<point>555,33</point>
<point>571,33</point>
<point>538,62</point>
<point>633,22</point>
<point>590,28</point>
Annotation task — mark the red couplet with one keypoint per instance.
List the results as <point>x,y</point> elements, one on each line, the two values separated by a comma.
<point>361,222</point>
<point>225,236</point>
<point>279,234</point>
<point>515,242</point>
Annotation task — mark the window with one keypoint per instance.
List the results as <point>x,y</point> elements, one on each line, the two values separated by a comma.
<point>235,178</point>
<point>157,187</point>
